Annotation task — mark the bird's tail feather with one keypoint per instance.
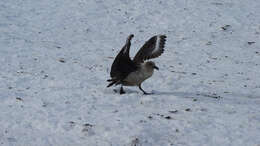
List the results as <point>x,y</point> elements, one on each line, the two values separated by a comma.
<point>113,81</point>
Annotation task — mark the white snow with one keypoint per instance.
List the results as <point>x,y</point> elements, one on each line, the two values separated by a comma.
<point>55,58</point>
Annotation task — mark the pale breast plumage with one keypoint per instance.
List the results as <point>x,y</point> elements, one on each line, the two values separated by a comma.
<point>137,77</point>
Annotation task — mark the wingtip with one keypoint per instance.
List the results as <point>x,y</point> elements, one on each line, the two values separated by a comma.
<point>163,36</point>
<point>130,36</point>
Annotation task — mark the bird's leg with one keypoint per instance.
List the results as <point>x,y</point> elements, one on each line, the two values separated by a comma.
<point>143,90</point>
<point>122,90</point>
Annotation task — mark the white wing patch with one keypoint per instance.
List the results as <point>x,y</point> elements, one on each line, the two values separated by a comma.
<point>157,45</point>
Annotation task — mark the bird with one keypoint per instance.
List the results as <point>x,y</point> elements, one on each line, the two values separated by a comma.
<point>133,72</point>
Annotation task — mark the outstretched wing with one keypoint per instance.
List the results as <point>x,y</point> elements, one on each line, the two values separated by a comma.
<point>122,64</point>
<point>151,49</point>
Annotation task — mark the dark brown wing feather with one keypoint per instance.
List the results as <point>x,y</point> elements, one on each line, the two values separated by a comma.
<point>153,48</point>
<point>122,64</point>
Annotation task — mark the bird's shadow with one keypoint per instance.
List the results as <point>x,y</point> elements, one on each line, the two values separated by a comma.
<point>182,94</point>
<point>167,93</point>
<point>127,91</point>
<point>187,94</point>
<point>159,93</point>
<point>206,95</point>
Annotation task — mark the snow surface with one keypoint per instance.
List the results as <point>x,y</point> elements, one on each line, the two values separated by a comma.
<point>56,55</point>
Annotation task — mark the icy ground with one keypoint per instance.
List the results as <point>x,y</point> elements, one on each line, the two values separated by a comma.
<point>55,58</point>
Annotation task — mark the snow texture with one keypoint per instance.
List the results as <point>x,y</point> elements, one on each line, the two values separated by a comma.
<point>56,55</point>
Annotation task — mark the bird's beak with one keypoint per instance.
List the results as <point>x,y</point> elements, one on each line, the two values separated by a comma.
<point>155,67</point>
